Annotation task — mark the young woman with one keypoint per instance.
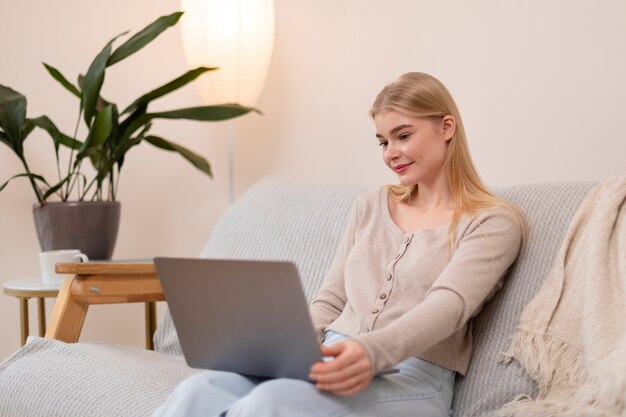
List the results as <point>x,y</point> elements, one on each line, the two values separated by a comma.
<point>417,261</point>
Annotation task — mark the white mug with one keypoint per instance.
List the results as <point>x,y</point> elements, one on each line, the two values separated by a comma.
<point>48,259</point>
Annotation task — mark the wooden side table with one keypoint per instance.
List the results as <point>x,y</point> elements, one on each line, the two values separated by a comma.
<point>90,283</point>
<point>25,289</point>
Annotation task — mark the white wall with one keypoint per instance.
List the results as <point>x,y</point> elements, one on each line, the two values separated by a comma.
<point>540,85</point>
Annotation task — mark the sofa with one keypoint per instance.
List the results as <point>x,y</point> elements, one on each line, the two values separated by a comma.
<point>300,221</point>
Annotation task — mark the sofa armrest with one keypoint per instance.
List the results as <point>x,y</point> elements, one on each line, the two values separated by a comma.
<point>101,283</point>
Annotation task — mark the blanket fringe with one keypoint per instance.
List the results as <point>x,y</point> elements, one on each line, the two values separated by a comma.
<point>558,370</point>
<point>547,408</point>
<point>552,363</point>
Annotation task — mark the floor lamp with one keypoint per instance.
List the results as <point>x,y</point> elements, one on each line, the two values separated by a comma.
<point>237,36</point>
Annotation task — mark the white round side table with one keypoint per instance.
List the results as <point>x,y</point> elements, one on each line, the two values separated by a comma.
<point>27,288</point>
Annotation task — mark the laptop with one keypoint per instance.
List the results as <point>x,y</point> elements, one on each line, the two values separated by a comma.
<point>248,317</point>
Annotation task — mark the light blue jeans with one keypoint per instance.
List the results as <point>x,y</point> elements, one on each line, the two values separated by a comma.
<point>420,389</point>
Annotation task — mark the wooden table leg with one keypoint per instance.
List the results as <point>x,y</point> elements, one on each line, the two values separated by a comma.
<point>41,308</point>
<point>150,324</point>
<point>68,314</point>
<point>24,319</point>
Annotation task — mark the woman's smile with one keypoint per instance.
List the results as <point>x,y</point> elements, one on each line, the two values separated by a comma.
<point>401,167</point>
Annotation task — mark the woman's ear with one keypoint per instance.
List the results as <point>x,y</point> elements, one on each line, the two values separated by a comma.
<point>448,125</point>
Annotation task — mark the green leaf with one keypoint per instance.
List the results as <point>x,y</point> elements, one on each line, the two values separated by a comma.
<point>195,159</point>
<point>143,37</point>
<point>56,74</point>
<point>95,158</point>
<point>144,130</point>
<point>125,144</point>
<point>28,128</point>
<point>167,88</point>
<point>93,81</point>
<point>55,188</point>
<point>102,126</point>
<point>4,185</point>
<point>115,125</point>
<point>12,117</point>
<point>34,176</point>
<point>101,163</point>
<point>101,102</point>
<point>100,130</point>
<point>5,139</point>
<point>134,121</point>
<point>59,138</point>
<point>124,147</point>
<point>206,113</point>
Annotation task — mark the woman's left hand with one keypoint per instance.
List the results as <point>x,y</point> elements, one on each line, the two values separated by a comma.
<point>349,373</point>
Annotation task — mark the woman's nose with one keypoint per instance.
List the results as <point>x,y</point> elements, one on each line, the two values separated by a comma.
<point>392,150</point>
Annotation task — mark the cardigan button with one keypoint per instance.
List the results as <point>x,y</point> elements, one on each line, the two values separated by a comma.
<point>389,277</point>
<point>374,311</point>
<point>407,239</point>
<point>383,296</point>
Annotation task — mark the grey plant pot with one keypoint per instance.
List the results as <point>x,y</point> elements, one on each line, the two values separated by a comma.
<point>91,227</point>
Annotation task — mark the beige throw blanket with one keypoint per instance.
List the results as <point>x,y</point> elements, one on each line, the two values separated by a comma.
<point>571,338</point>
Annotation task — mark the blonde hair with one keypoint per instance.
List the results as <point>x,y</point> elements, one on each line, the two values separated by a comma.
<point>421,95</point>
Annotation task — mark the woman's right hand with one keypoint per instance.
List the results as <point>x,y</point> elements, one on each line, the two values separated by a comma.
<point>349,373</point>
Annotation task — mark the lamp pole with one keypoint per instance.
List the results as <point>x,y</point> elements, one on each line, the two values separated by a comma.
<point>231,160</point>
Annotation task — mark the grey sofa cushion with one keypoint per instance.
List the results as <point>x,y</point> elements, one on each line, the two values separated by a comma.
<point>303,222</point>
<point>48,378</point>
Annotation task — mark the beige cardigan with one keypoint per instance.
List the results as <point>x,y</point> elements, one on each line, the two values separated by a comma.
<point>400,294</point>
<point>571,338</point>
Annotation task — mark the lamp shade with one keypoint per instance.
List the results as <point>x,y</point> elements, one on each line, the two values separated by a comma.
<point>235,35</point>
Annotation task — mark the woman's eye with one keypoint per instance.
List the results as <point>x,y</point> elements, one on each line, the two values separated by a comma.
<point>404,136</point>
<point>382,144</point>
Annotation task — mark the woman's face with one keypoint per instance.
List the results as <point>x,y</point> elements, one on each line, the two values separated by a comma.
<point>414,148</point>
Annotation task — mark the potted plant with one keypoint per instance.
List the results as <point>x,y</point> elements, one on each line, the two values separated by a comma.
<point>86,216</point>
